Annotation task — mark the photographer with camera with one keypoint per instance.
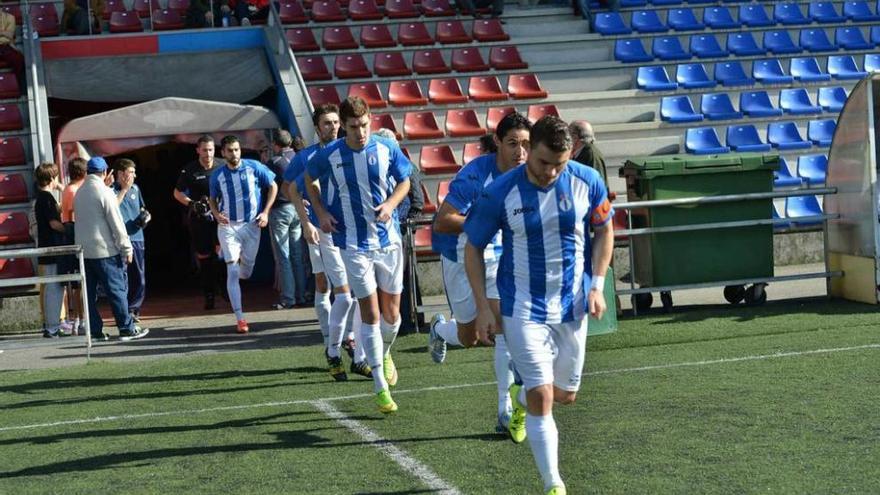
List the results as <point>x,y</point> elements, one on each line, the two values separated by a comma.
<point>135,217</point>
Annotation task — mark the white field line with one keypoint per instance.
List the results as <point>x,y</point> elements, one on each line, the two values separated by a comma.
<point>125,417</point>
<point>409,465</point>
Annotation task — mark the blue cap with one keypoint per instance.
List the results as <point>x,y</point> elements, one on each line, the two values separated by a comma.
<point>97,164</point>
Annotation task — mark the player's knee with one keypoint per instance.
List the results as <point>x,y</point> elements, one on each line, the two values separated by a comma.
<point>468,337</point>
<point>564,398</point>
<point>321,283</point>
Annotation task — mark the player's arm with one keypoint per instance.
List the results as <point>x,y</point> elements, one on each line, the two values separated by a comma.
<point>603,249</point>
<point>448,220</point>
<point>181,197</point>
<point>213,195</point>
<point>385,209</point>
<point>308,230</point>
<point>263,217</point>
<point>316,168</point>
<point>480,227</point>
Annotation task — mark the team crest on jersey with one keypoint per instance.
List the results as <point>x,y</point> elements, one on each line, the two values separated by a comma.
<point>372,160</point>
<point>565,204</point>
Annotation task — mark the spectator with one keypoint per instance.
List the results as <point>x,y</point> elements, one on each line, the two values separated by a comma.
<point>286,229</point>
<point>298,143</point>
<point>135,217</point>
<point>50,232</point>
<point>585,149</point>
<point>8,52</point>
<point>471,6</point>
<point>250,11</point>
<point>200,15</point>
<point>76,174</point>
<point>106,248</point>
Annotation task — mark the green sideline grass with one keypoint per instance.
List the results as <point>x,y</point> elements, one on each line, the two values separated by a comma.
<point>799,424</point>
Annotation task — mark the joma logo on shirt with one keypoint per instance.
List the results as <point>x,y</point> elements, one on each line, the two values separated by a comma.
<point>341,164</point>
<point>523,210</point>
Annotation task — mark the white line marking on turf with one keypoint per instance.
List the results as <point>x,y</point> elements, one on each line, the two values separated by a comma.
<point>124,417</point>
<point>408,464</point>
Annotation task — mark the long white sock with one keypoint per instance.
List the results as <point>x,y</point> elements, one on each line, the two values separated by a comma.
<point>544,441</point>
<point>502,374</point>
<point>234,289</point>
<point>359,354</point>
<point>350,321</point>
<point>338,315</point>
<point>322,309</point>
<point>372,341</point>
<point>389,332</point>
<point>448,331</point>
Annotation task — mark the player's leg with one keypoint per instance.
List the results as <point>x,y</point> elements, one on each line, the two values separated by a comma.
<point>231,247</point>
<point>204,235</point>
<point>389,279</point>
<point>359,357</point>
<point>501,358</point>
<point>334,268</point>
<point>322,292</point>
<point>570,340</point>
<point>460,329</point>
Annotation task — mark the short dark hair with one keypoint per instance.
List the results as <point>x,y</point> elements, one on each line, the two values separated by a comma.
<point>227,140</point>
<point>512,121</point>
<point>76,168</point>
<point>488,144</point>
<point>123,164</point>
<point>45,172</point>
<point>204,138</point>
<point>353,107</point>
<point>324,109</point>
<point>552,132</point>
<point>282,138</point>
<point>298,143</point>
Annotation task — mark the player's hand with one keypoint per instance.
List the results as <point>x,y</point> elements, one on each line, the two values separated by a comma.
<point>328,223</point>
<point>383,212</point>
<point>487,327</point>
<point>310,233</point>
<point>221,218</point>
<point>596,302</point>
<point>129,259</point>
<point>262,219</point>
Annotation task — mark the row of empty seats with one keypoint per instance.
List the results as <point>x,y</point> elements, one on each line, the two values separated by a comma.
<point>780,135</point>
<point>293,12</point>
<point>719,106</point>
<point>408,34</point>
<point>796,209</point>
<point>810,170</point>
<point>459,122</point>
<point>666,3</point>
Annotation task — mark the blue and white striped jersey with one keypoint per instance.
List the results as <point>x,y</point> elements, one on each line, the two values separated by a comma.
<point>464,190</point>
<point>545,268</point>
<point>296,173</point>
<point>362,180</point>
<point>240,190</point>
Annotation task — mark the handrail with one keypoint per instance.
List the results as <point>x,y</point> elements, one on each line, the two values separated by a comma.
<point>290,75</point>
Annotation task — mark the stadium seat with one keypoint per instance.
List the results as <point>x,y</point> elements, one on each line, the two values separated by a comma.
<point>14,228</point>
<point>489,30</point>
<point>875,35</point>
<point>468,60</point>
<point>46,26</point>
<point>745,138</point>
<point>779,42</point>
<point>383,121</point>
<point>743,44</point>
<point>802,206</point>
<point>859,11</point>
<point>807,69</point>
<point>14,10</point>
<point>323,94</point>
<point>422,242</point>
<point>429,62</point>
<point>851,38</point>
<point>609,23</point>
<point>633,3</point>
<point>669,48</point>
<point>486,88</point>
<point>13,189</point>
<point>451,32</point>
<point>111,6</point>
<point>351,66</point>
<point>400,9</point>
<point>179,5</point>
<point>754,15</point>
<point>389,64</point>
<point>832,99</point>
<point>299,39</point>
<point>338,38</point>
<point>327,11</point>
<point>437,8</point>
<point>647,21</point>
<point>703,141</point>
<point>732,74</point>
<point>291,12</point>
<point>631,51</point>
<point>421,125</point>
<point>812,168</point>
<point>313,68</point>
<point>783,176</point>
<point>821,132</point>
<point>406,93</point>
<point>797,101</point>
<point>824,13</point>
<point>435,160</point>
<point>678,109</point>
<point>46,9</point>
<point>692,76</point>
<point>462,123</point>
<point>844,67</point>
<point>525,86</point>
<point>785,136</point>
<point>369,92</point>
<point>377,36</point>
<point>706,46</point>
<point>789,13</point>
<point>446,91</point>
<point>8,86</point>
<point>668,2</point>
<point>10,118</point>
<point>537,112</point>
<point>872,62</point>
<point>364,10</point>
<point>494,116</point>
<point>683,20</point>
<point>757,104</point>
<point>769,71</point>
<point>16,268</point>
<point>506,58</point>
<point>442,191</point>
<point>814,40</point>
<point>718,106</point>
<point>169,20</point>
<point>429,209</point>
<point>413,34</point>
<point>654,78</point>
<point>719,18</point>
<point>11,152</point>
<point>471,151</point>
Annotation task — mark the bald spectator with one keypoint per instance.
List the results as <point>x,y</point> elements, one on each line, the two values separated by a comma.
<point>585,149</point>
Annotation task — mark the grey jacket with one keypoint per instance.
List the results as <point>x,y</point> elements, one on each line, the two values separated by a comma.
<point>99,227</point>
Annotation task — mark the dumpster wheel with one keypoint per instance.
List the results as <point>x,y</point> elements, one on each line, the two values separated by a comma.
<point>756,295</point>
<point>734,294</point>
<point>642,302</point>
<point>666,299</point>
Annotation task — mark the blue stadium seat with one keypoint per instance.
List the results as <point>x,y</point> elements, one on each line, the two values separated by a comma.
<point>719,18</point>
<point>743,44</point>
<point>851,38</point>
<point>812,168</point>
<point>701,1</point>
<point>666,2</point>
<point>630,51</point>
<point>824,12</point>
<point>732,74</point>
<point>717,106</point>
<point>654,78</point>
<point>611,23</point>
<point>802,206</point>
<point>782,223</point>
<point>693,76</point>
<point>859,12</point>
<point>754,15</point>
<point>815,40</point>
<point>706,46</point>
<point>647,21</point>
<point>779,42</point>
<point>807,69</point>
<point>678,109</point>
<point>872,62</point>
<point>832,99</point>
<point>875,35</point>
<point>783,177</point>
<point>633,3</point>
<point>844,67</point>
<point>683,20</point>
<point>669,48</point>
<point>820,132</point>
<point>769,71</point>
<point>789,13</point>
<point>745,138</point>
<point>797,101</point>
<point>785,136</point>
<point>703,141</point>
<point>757,104</point>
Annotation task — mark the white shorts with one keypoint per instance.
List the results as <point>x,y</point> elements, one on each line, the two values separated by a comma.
<point>379,268</point>
<point>326,259</point>
<point>547,353</point>
<point>240,240</point>
<point>458,290</point>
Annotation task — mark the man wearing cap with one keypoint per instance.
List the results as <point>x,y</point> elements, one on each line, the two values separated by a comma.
<point>106,249</point>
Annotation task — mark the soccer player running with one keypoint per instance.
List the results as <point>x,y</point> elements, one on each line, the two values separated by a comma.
<point>551,273</point>
<point>236,199</point>
<point>369,177</point>
<point>512,139</point>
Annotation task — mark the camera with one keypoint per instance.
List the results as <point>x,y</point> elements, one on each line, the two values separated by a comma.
<point>143,218</point>
<point>200,209</point>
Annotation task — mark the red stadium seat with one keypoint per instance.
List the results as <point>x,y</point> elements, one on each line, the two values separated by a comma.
<point>471,151</point>
<point>422,239</point>
<point>445,91</point>
<point>125,22</point>
<point>489,30</point>
<point>486,88</point>
<point>143,7</point>
<point>327,11</point>
<point>430,207</point>
<point>525,86</point>
<point>406,93</point>
<point>506,58</point>
<point>15,10</point>
<point>46,26</point>
<point>620,220</point>
<point>16,268</point>
<point>301,40</point>
<point>389,64</point>
<point>383,121</point>
<point>468,60</point>
<point>313,68</point>
<point>167,20</point>
<point>13,189</point>
<point>495,114</point>
<point>14,227</point>
<point>437,8</point>
<point>421,125</point>
<point>350,67</point>
<point>11,152</point>
<point>429,62</point>
<point>338,38</point>
<point>364,10</point>
<point>442,191</point>
<point>10,118</point>
<point>46,9</point>
<point>538,111</point>
<point>323,94</point>
<point>414,34</point>
<point>451,32</point>
<point>461,123</point>
<point>292,12</point>
<point>179,5</point>
<point>370,93</point>
<point>111,6</point>
<point>435,160</point>
<point>400,9</point>
<point>9,86</point>
<point>377,36</point>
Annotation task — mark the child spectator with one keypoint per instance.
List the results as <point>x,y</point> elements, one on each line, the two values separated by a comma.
<point>50,232</point>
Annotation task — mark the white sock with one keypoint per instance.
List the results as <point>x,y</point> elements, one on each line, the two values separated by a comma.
<point>544,440</point>
<point>502,374</point>
<point>448,331</point>
<point>521,397</point>
<point>359,354</point>
<point>234,289</point>
<point>338,315</point>
<point>322,309</point>
<point>349,321</point>
<point>372,342</point>
<point>389,332</point>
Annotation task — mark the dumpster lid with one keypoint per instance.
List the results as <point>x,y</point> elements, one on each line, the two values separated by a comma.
<point>683,164</point>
